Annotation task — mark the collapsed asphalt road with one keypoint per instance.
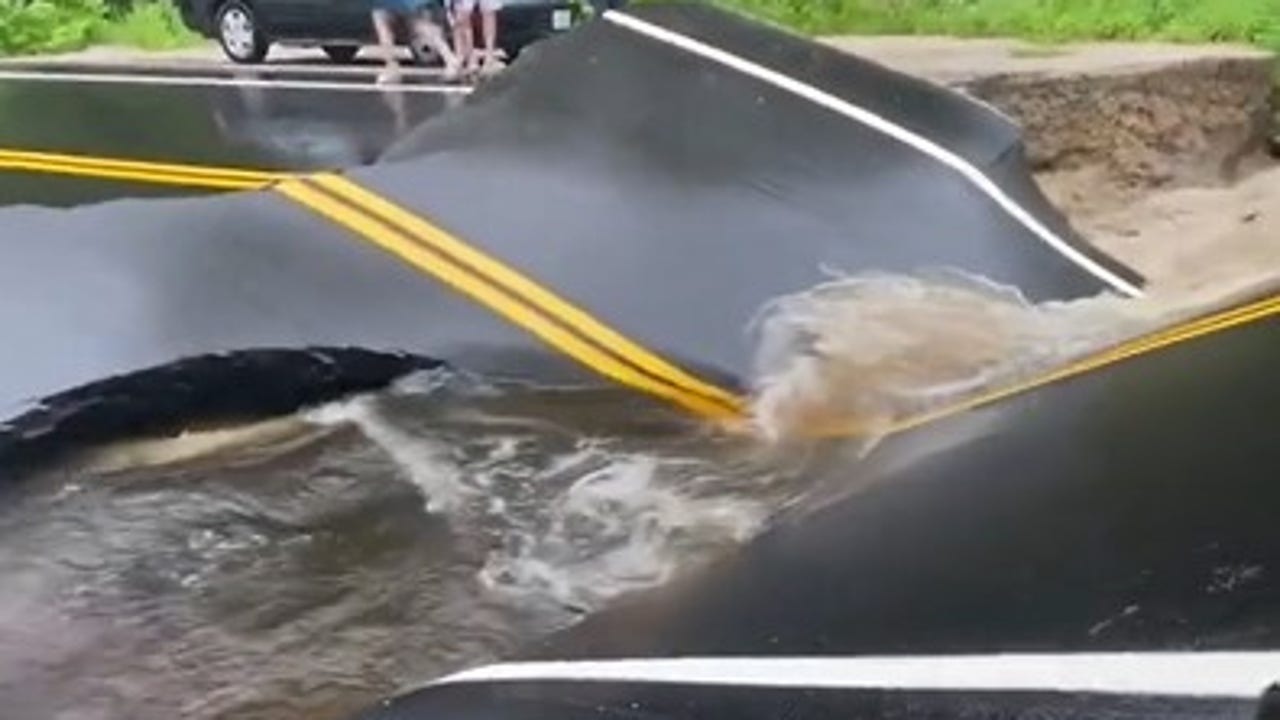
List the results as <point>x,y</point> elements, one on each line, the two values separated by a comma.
<point>620,231</point>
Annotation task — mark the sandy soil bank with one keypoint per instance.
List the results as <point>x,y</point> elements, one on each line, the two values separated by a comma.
<point>1214,222</point>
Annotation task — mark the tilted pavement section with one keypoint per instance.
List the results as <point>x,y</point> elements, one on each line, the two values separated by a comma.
<point>1098,541</point>
<point>521,233</point>
<point>1098,546</point>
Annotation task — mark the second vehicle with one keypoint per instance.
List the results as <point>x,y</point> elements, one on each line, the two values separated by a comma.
<point>246,29</point>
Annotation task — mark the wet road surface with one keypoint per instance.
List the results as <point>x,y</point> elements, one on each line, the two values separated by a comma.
<point>271,119</point>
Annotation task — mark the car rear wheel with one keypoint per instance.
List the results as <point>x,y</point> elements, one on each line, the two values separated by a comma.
<point>341,54</point>
<point>239,33</point>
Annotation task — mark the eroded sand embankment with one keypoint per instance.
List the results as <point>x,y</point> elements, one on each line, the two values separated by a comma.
<point>1163,155</point>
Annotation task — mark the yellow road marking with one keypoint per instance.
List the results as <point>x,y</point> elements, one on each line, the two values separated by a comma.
<point>209,183</point>
<point>492,283</point>
<point>198,176</point>
<point>531,292</point>
<point>1139,346</point>
<point>463,267</point>
<point>406,247</point>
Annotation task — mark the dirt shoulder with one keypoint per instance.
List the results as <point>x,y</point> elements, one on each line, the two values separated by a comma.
<point>1158,153</point>
<point>957,60</point>
<point>1189,239</point>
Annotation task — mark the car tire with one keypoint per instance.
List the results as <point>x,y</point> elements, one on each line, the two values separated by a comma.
<point>341,54</point>
<point>239,33</point>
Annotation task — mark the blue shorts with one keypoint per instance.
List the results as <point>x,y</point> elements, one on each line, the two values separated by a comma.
<point>403,7</point>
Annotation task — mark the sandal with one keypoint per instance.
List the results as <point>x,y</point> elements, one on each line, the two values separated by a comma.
<point>389,75</point>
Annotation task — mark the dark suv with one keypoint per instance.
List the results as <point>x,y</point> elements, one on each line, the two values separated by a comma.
<point>246,29</point>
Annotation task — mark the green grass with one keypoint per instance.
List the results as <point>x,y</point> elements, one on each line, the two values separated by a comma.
<point>46,26</point>
<point>152,25</point>
<point>1249,21</point>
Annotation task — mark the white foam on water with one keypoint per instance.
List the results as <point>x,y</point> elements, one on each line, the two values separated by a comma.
<point>871,349</point>
<point>564,520</point>
<point>425,462</point>
<point>573,519</point>
<point>617,528</point>
<point>554,501</point>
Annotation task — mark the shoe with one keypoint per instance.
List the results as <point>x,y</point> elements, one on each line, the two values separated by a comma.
<point>389,75</point>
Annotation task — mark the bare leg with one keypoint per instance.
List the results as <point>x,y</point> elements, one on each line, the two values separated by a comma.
<point>463,41</point>
<point>489,20</point>
<point>428,32</point>
<point>395,102</point>
<point>386,44</point>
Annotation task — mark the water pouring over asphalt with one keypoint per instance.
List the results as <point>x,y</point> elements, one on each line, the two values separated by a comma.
<point>306,566</point>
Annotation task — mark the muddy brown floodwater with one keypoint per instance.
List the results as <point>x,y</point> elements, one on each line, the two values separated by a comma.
<point>306,566</point>
<point>320,562</point>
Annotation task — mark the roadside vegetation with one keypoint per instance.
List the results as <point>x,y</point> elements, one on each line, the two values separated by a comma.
<point>151,25</point>
<point>1249,21</point>
<point>47,26</point>
<point>42,26</point>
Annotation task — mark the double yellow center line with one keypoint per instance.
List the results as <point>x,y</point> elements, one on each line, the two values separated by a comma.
<point>493,284</point>
<point>508,293</point>
<point>567,328</point>
<point>1182,332</point>
<point>155,173</point>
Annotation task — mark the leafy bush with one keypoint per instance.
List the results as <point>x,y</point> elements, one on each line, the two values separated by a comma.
<point>152,25</point>
<point>47,25</point>
<point>41,26</point>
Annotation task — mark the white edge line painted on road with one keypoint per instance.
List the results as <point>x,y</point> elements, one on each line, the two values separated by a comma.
<point>201,68</point>
<point>872,120</point>
<point>190,81</point>
<point>1195,674</point>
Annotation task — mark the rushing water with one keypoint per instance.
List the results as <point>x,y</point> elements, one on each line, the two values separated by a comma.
<point>303,571</point>
<point>304,567</point>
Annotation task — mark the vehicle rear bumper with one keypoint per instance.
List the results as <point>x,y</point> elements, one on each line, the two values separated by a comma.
<point>197,15</point>
<point>521,25</point>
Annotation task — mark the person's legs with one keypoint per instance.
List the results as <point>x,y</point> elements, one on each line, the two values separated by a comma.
<point>428,32</point>
<point>386,41</point>
<point>463,41</point>
<point>489,26</point>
